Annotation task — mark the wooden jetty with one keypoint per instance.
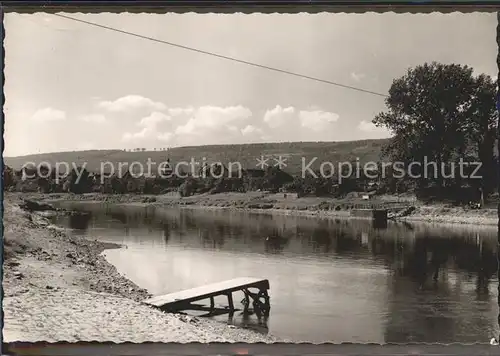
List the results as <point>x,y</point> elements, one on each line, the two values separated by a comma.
<point>184,300</point>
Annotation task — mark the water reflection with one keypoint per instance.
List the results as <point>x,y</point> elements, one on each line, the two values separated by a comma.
<point>166,233</point>
<point>276,241</point>
<point>380,224</point>
<point>80,221</point>
<point>331,280</point>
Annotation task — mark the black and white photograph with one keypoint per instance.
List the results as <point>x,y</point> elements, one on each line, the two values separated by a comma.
<point>210,177</point>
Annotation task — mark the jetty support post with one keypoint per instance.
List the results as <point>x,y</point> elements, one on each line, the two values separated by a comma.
<point>266,305</point>
<point>230,303</point>
<point>246,301</point>
<point>259,307</point>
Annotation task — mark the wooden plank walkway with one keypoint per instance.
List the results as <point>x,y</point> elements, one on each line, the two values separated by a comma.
<point>183,300</point>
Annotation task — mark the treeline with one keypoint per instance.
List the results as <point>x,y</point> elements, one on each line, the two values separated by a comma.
<point>81,181</point>
<point>144,149</point>
<point>273,179</point>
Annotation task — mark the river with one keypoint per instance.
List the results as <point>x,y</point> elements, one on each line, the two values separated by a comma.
<point>332,280</point>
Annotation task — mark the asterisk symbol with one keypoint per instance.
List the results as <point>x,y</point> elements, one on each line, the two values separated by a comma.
<point>280,162</point>
<point>262,162</point>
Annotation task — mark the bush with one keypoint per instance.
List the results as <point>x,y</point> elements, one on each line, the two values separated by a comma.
<point>324,206</point>
<point>260,206</point>
<point>188,188</point>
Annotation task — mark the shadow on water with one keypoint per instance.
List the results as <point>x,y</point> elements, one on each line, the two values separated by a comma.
<point>166,233</point>
<point>380,224</point>
<point>384,283</point>
<point>80,221</point>
<point>248,321</point>
<point>276,241</point>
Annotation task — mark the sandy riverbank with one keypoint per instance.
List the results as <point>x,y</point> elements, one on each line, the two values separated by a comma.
<point>447,215</point>
<point>58,288</point>
<point>307,206</point>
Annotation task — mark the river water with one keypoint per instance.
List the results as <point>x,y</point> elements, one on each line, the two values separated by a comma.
<point>331,279</point>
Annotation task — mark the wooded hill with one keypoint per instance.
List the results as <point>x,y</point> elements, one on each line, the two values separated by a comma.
<point>246,154</point>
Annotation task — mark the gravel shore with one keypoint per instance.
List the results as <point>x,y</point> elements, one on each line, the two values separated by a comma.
<point>58,288</point>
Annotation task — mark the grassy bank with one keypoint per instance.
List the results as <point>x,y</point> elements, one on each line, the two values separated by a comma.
<point>308,206</point>
<point>60,288</point>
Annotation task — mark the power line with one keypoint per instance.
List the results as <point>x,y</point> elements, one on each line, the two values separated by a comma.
<point>221,56</point>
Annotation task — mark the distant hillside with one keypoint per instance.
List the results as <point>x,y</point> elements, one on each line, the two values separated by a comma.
<point>246,154</point>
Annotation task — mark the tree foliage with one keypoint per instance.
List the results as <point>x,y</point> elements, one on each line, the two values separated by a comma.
<point>440,111</point>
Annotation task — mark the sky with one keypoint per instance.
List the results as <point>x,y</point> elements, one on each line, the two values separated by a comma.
<point>73,86</point>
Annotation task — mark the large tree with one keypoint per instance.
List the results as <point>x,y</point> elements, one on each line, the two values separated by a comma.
<point>481,128</point>
<point>440,111</point>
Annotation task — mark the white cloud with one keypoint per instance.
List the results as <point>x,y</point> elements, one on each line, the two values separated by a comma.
<point>279,116</point>
<point>48,114</point>
<point>166,136</point>
<point>131,102</point>
<point>250,129</point>
<point>154,119</point>
<point>367,126</point>
<point>181,111</point>
<point>127,136</point>
<point>150,128</point>
<point>252,134</point>
<point>189,126</point>
<point>373,131</point>
<point>317,120</point>
<point>357,76</point>
<point>233,124</point>
<point>94,118</point>
<point>292,124</point>
<point>212,118</point>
